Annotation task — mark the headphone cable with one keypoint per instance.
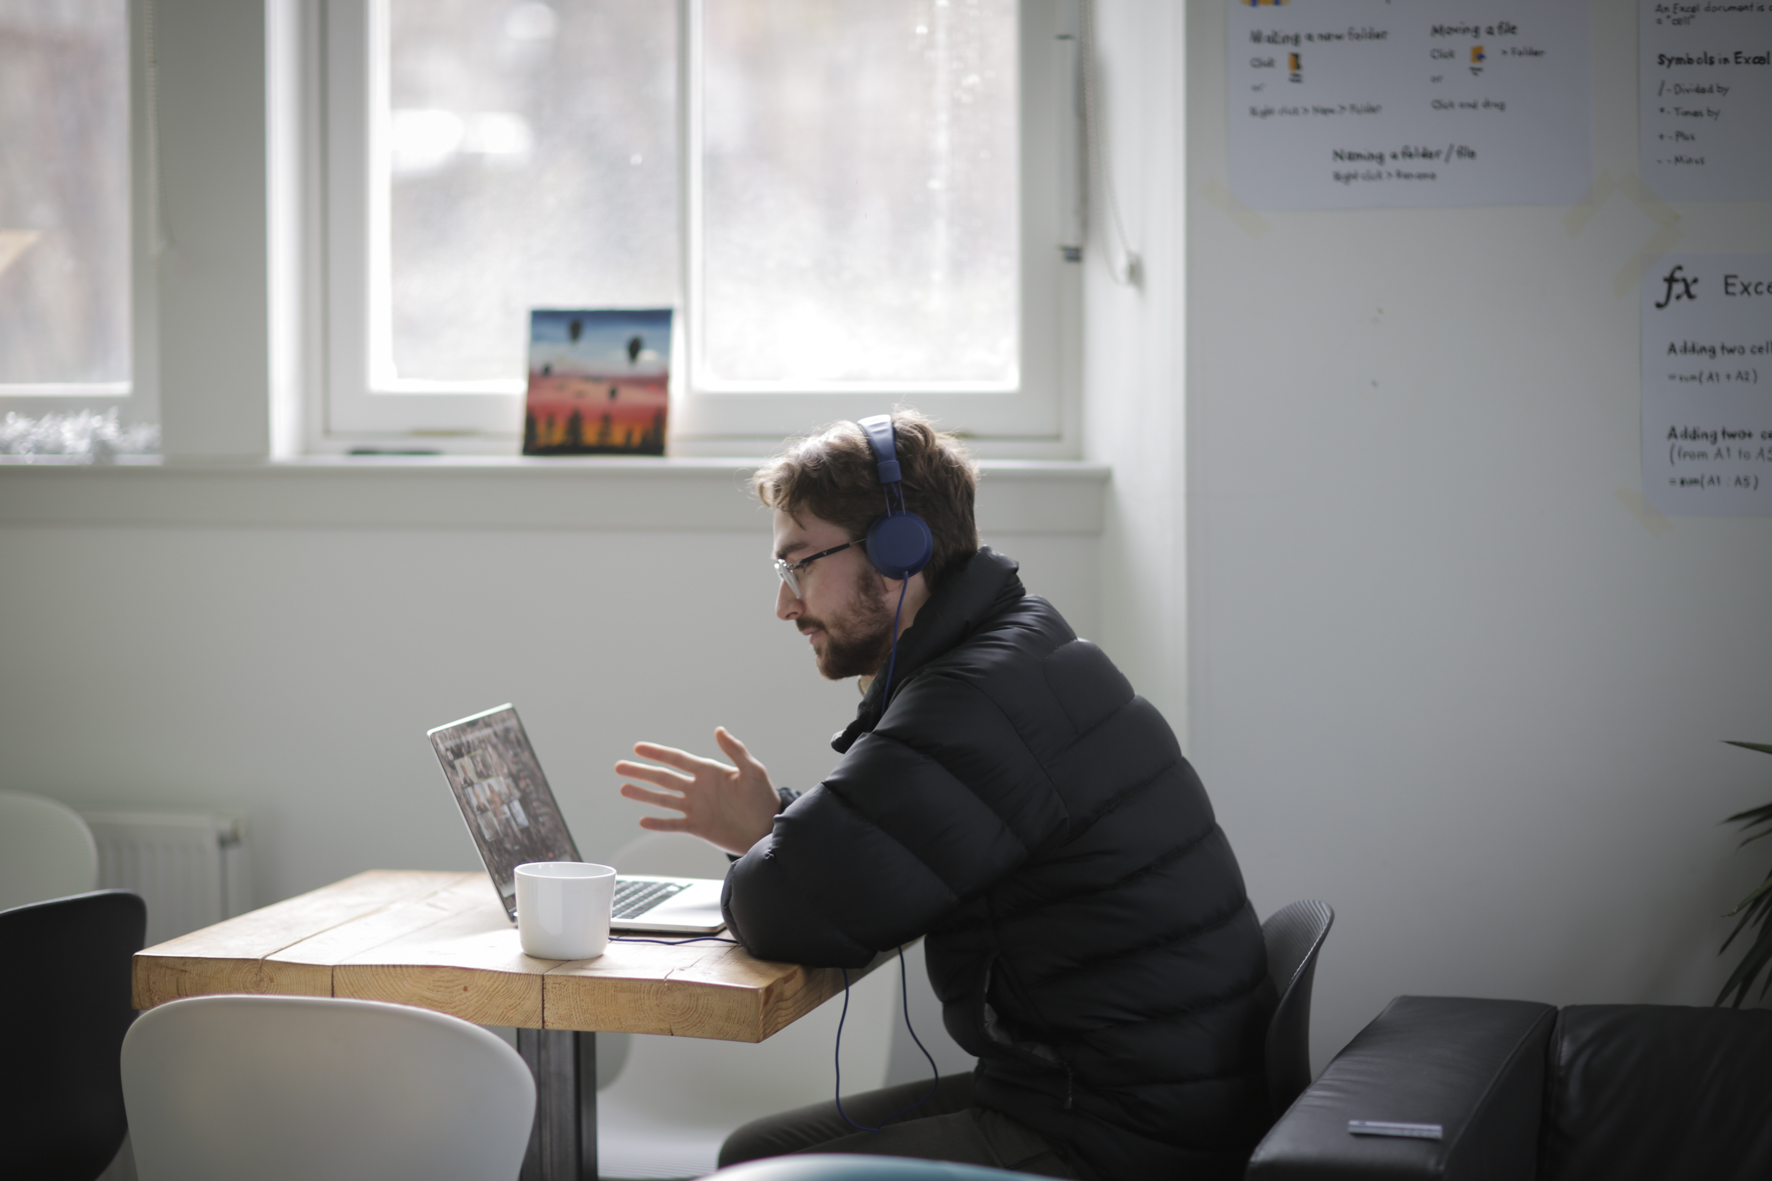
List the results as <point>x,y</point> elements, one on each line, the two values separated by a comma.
<point>904,996</point>
<point>892,661</point>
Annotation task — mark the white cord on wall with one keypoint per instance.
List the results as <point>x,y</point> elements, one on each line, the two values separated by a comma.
<point>1129,270</point>
<point>156,217</point>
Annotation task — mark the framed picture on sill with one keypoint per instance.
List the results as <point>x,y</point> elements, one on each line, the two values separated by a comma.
<point>599,381</point>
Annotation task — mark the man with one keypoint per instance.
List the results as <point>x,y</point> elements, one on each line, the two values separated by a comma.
<point>1003,793</point>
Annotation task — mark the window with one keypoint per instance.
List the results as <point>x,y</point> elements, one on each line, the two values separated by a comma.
<point>854,195</point>
<point>66,323</point>
<point>848,203</point>
<point>64,197</point>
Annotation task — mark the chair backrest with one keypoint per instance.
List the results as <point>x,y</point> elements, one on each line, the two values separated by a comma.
<point>1293,934</point>
<point>64,1008</point>
<point>46,851</point>
<point>288,1088</point>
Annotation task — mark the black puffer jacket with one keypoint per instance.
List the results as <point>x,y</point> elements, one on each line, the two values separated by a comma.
<point>1088,935</point>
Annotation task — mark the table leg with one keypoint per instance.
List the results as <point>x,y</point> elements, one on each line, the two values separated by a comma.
<point>563,1146</point>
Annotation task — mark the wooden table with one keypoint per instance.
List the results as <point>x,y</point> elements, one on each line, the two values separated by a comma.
<point>441,941</point>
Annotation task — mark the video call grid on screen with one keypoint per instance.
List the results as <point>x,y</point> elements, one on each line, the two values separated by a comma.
<point>504,797</point>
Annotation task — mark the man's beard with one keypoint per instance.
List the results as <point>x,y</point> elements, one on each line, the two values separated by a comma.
<point>857,640</point>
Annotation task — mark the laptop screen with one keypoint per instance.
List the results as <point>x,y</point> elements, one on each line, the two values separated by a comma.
<point>505,799</point>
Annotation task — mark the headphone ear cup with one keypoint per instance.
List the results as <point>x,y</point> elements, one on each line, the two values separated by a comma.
<point>900,544</point>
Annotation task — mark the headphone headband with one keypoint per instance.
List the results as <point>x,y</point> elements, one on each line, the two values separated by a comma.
<point>881,439</point>
<point>899,542</point>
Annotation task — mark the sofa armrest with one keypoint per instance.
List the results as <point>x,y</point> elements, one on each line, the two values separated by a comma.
<point>1475,1067</point>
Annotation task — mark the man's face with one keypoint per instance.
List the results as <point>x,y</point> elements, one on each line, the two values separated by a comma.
<point>842,607</point>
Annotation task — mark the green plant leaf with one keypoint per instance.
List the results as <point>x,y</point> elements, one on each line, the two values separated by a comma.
<point>1758,896</point>
<point>1753,961</point>
<point>1752,816</point>
<point>1754,910</point>
<point>1751,966</point>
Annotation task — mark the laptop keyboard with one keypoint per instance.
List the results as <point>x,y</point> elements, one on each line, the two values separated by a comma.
<point>634,898</point>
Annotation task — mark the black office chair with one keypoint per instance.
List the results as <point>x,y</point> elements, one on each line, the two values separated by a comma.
<point>64,1008</point>
<point>1293,934</point>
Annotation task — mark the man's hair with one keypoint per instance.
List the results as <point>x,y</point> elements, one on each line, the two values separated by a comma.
<point>832,475</point>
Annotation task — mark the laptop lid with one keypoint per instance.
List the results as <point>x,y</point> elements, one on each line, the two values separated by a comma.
<point>504,797</point>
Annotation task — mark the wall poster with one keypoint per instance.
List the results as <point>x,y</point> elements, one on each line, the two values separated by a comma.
<point>1352,104</point>
<point>1707,385</point>
<point>1705,95</point>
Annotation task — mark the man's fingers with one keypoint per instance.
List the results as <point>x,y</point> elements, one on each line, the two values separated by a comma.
<point>657,799</point>
<point>664,823</point>
<point>735,750</point>
<point>658,776</point>
<point>670,756</point>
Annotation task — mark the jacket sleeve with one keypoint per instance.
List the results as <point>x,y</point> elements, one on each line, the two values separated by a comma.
<point>938,803</point>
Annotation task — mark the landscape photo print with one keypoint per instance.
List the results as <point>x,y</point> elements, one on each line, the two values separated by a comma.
<point>599,382</point>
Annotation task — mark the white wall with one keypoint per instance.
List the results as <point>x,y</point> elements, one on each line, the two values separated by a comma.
<point>1134,416</point>
<point>1442,675</point>
<point>1438,671</point>
<point>291,673</point>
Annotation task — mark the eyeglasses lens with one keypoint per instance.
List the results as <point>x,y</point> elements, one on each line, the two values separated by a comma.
<point>788,576</point>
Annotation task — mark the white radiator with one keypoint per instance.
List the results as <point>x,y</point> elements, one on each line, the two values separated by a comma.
<point>190,867</point>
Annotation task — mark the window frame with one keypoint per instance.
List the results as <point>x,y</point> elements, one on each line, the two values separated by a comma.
<point>355,402</point>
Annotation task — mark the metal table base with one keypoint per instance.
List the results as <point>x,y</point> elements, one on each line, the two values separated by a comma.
<point>563,1146</point>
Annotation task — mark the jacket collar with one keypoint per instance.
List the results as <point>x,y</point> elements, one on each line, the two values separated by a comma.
<point>977,591</point>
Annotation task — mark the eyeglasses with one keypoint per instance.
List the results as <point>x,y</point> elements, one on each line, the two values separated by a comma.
<point>791,574</point>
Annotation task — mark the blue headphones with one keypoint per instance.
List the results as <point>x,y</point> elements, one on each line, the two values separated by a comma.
<point>899,542</point>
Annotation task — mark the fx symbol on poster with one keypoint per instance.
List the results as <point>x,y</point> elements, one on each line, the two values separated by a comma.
<point>1673,278</point>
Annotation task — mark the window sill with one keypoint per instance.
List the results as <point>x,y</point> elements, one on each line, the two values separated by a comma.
<point>601,493</point>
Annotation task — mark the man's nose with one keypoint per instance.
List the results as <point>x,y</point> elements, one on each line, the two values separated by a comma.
<point>787,605</point>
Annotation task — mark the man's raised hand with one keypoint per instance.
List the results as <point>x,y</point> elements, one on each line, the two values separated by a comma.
<point>731,807</point>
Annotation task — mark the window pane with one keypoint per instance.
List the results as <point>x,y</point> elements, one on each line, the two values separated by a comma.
<point>859,170</point>
<point>532,162</point>
<point>64,191</point>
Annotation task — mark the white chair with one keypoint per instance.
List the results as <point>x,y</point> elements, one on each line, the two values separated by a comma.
<point>297,1088</point>
<point>46,851</point>
<point>676,1099</point>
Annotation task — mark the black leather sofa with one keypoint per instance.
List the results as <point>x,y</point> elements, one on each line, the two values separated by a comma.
<point>1521,1091</point>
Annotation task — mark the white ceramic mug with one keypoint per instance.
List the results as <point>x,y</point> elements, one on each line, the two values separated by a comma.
<point>563,909</point>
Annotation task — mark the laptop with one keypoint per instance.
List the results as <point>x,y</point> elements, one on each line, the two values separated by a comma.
<point>511,814</point>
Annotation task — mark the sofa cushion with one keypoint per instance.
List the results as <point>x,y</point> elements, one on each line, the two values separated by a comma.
<point>1658,1091</point>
